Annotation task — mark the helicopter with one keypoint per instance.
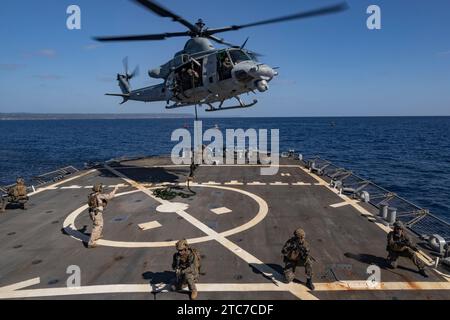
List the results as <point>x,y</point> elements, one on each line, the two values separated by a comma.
<point>201,74</point>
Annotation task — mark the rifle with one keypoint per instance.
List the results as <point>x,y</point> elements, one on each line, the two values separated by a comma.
<point>178,285</point>
<point>303,254</point>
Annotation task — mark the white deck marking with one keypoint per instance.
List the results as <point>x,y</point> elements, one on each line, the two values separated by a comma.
<point>14,292</point>
<point>256,183</point>
<point>234,183</point>
<point>170,207</point>
<point>285,174</point>
<point>20,285</point>
<point>383,286</point>
<point>52,186</point>
<point>300,183</point>
<point>221,210</point>
<point>339,204</point>
<point>120,185</point>
<point>70,226</point>
<point>71,187</point>
<point>149,225</point>
<point>279,183</point>
<point>211,183</point>
<point>298,290</point>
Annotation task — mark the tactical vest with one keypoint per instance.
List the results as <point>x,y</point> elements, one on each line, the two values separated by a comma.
<point>19,191</point>
<point>93,201</point>
<point>296,251</point>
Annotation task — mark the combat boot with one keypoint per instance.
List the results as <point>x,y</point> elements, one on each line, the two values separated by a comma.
<point>92,245</point>
<point>194,294</point>
<point>309,284</point>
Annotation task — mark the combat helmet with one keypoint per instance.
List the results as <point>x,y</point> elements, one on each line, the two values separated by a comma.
<point>182,244</point>
<point>300,233</point>
<point>398,224</point>
<point>98,187</point>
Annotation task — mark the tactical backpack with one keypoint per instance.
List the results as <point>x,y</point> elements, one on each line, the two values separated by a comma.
<point>19,191</point>
<point>197,258</point>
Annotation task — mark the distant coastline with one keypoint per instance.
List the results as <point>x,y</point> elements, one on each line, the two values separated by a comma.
<point>91,116</point>
<point>135,116</point>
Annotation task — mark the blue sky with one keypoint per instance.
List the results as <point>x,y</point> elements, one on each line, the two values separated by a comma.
<point>329,66</point>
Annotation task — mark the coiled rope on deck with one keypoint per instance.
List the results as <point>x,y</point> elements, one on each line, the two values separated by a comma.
<point>169,193</point>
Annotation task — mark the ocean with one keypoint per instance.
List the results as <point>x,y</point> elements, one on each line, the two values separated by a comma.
<point>406,155</point>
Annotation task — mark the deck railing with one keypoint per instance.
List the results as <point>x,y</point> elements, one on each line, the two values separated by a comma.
<point>417,219</point>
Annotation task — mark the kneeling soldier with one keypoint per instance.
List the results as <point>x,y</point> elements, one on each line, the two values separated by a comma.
<point>186,263</point>
<point>296,253</point>
<point>400,245</point>
<point>16,195</point>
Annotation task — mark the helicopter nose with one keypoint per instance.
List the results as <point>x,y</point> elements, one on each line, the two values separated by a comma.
<point>263,72</point>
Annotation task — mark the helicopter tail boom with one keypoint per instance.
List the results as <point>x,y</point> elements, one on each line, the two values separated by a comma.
<point>125,96</point>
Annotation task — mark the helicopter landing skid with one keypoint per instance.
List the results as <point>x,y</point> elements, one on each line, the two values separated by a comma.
<point>240,106</point>
<point>179,105</point>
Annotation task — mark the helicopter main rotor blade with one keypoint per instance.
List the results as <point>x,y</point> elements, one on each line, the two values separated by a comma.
<point>301,15</point>
<point>163,12</point>
<point>144,37</point>
<point>221,41</point>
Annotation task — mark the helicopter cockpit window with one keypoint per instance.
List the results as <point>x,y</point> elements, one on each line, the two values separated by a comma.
<point>238,56</point>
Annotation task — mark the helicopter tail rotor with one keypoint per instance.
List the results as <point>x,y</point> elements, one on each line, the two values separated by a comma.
<point>124,81</point>
<point>128,75</point>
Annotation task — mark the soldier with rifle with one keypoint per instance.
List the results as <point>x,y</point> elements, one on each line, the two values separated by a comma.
<point>296,253</point>
<point>400,245</point>
<point>186,263</point>
<point>16,195</point>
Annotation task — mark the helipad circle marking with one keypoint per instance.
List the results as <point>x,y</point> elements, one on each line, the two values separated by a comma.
<point>70,228</point>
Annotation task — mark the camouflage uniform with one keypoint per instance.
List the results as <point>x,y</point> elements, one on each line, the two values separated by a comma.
<point>400,245</point>
<point>186,265</point>
<point>296,253</point>
<point>16,194</point>
<point>97,203</point>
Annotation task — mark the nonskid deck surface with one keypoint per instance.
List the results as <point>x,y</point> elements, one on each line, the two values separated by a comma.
<point>238,219</point>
